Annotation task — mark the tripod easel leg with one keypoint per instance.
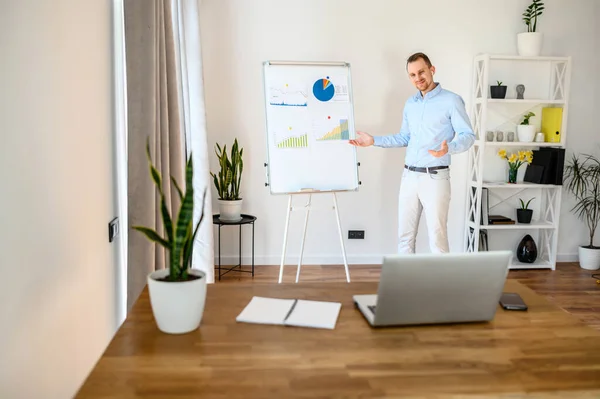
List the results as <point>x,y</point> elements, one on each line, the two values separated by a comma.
<point>303,237</point>
<point>285,234</point>
<point>337,218</point>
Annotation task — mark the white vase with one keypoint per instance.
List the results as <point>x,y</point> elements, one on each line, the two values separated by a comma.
<point>589,258</point>
<point>529,43</point>
<point>177,306</point>
<point>526,133</point>
<point>230,210</point>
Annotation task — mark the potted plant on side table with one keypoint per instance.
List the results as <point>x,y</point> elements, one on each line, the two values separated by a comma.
<point>582,179</point>
<point>227,182</point>
<point>524,214</point>
<point>178,292</point>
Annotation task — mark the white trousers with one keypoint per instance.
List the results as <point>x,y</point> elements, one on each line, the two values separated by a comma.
<point>424,192</point>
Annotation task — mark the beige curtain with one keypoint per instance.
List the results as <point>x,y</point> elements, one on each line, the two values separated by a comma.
<point>153,102</point>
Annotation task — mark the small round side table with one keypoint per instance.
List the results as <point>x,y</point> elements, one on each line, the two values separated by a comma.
<point>246,219</point>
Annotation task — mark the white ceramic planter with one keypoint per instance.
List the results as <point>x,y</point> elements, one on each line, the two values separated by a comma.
<point>589,258</point>
<point>230,211</point>
<point>177,306</point>
<point>529,43</point>
<point>526,133</point>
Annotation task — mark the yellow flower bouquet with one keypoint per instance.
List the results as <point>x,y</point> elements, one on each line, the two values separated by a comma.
<point>515,161</point>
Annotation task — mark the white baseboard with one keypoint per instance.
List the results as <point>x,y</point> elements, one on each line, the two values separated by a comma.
<point>274,260</point>
<point>306,260</point>
<point>567,258</point>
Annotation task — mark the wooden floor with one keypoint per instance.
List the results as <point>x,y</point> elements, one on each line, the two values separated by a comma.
<point>569,287</point>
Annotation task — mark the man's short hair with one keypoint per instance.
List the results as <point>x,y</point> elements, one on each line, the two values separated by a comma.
<point>416,56</point>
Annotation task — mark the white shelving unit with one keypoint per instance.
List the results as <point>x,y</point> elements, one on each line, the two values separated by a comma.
<point>547,81</point>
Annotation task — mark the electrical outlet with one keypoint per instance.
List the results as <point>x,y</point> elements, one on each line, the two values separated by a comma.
<point>113,229</point>
<point>356,234</point>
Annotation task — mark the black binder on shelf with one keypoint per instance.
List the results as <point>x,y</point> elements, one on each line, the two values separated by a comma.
<point>547,166</point>
<point>558,163</point>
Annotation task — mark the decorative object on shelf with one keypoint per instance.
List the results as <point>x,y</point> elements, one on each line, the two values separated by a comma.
<point>515,161</point>
<point>525,130</point>
<point>510,136</point>
<point>582,179</point>
<point>489,136</point>
<point>524,214</point>
<point>498,91</point>
<point>177,293</point>
<point>539,137</point>
<point>527,250</point>
<point>552,123</point>
<point>530,43</point>
<point>520,91</point>
<point>500,136</point>
<point>228,181</point>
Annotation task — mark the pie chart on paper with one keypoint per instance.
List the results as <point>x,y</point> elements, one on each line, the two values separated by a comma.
<point>323,90</point>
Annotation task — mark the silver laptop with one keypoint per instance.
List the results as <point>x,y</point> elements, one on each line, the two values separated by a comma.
<point>437,288</point>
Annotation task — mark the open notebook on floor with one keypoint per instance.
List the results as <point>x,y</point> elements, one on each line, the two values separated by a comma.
<point>290,312</point>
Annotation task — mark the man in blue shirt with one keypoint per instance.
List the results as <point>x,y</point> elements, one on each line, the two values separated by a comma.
<point>435,125</point>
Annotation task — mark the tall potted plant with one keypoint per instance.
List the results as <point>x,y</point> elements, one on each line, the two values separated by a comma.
<point>178,292</point>
<point>529,43</point>
<point>227,182</point>
<point>582,179</point>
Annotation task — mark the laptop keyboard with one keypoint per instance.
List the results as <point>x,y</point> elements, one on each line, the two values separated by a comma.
<point>372,308</point>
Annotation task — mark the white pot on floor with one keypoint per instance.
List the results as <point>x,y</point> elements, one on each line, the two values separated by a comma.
<point>529,44</point>
<point>230,210</point>
<point>177,306</point>
<point>589,258</point>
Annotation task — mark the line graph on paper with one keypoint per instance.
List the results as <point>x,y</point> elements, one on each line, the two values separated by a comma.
<point>288,95</point>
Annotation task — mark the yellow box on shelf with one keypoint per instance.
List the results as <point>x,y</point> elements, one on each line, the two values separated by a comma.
<point>552,123</point>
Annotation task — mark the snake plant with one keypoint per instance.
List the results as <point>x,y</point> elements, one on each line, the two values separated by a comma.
<point>227,182</point>
<point>179,233</point>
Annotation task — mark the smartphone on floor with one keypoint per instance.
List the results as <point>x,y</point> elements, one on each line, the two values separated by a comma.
<point>512,301</point>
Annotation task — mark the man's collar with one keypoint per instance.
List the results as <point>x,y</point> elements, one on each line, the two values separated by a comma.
<point>434,92</point>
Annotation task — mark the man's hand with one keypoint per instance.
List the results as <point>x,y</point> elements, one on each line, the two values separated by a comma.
<point>362,139</point>
<point>443,151</point>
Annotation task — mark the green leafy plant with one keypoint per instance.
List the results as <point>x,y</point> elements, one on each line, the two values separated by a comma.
<point>499,83</point>
<point>525,205</point>
<point>526,118</point>
<point>531,14</point>
<point>582,179</point>
<point>227,182</point>
<point>179,233</point>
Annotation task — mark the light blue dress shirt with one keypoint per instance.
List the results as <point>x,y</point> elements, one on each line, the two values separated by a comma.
<point>428,121</point>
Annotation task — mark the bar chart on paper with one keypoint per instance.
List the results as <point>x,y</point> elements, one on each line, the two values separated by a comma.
<point>291,140</point>
<point>332,129</point>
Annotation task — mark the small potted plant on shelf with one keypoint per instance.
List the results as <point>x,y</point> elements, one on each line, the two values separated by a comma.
<point>178,292</point>
<point>515,161</point>
<point>524,214</point>
<point>498,91</point>
<point>582,179</point>
<point>526,130</point>
<point>529,43</point>
<point>227,182</point>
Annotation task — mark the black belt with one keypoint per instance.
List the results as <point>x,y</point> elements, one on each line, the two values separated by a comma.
<point>431,169</point>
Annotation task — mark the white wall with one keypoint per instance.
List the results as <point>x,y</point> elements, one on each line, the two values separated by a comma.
<point>375,37</point>
<point>58,301</point>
